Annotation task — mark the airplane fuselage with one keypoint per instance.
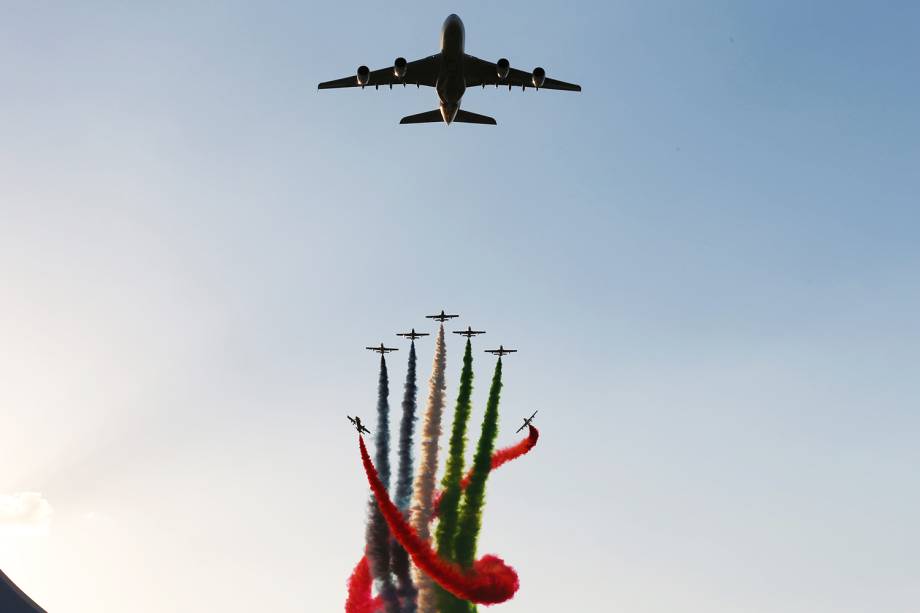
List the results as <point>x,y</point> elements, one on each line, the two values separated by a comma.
<point>451,84</point>
<point>449,71</point>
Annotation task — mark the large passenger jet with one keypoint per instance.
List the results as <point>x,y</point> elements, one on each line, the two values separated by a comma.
<point>451,71</point>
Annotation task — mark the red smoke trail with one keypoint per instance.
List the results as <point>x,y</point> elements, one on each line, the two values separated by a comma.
<point>359,590</point>
<point>490,581</point>
<point>360,583</point>
<point>502,456</point>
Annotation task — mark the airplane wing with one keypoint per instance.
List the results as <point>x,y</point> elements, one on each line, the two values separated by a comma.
<point>534,415</point>
<point>420,72</point>
<point>351,420</point>
<point>519,429</point>
<point>481,72</point>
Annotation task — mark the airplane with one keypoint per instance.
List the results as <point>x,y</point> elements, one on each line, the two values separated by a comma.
<point>381,349</point>
<point>356,422</point>
<point>500,351</point>
<point>469,332</point>
<point>526,422</point>
<point>442,317</point>
<point>450,72</point>
<point>412,335</point>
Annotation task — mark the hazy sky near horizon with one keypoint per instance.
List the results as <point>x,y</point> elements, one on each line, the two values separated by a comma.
<point>708,260</point>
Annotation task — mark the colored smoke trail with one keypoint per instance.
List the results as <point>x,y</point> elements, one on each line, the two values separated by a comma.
<point>474,497</point>
<point>449,499</point>
<point>359,590</point>
<point>398,556</point>
<point>450,492</point>
<point>359,585</point>
<point>488,581</point>
<point>499,458</point>
<point>406,430</point>
<point>377,533</point>
<point>423,493</point>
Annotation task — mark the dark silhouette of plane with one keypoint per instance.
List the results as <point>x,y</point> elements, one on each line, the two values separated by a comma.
<point>381,349</point>
<point>500,351</point>
<point>356,422</point>
<point>469,332</point>
<point>527,421</point>
<point>450,72</point>
<point>412,335</point>
<point>441,317</point>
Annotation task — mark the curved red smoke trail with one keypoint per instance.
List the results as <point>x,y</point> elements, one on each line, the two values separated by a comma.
<point>360,583</point>
<point>490,581</point>
<point>502,456</point>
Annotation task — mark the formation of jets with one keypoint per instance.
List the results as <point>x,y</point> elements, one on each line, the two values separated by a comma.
<point>469,332</point>
<point>382,349</point>
<point>450,72</point>
<point>442,317</point>
<point>412,335</point>
<point>527,421</point>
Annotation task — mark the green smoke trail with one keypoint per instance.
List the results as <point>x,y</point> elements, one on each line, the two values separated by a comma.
<point>450,485</point>
<point>474,499</point>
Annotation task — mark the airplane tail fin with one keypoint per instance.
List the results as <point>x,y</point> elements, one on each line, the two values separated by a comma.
<point>467,117</point>
<point>436,117</point>
<point>426,117</point>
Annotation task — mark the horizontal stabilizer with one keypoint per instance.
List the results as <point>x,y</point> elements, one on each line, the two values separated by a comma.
<point>467,117</point>
<point>426,117</point>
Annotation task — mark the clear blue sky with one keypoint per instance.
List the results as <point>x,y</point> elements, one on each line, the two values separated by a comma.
<point>708,259</point>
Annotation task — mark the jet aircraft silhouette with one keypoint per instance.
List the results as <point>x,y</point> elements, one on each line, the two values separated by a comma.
<point>450,72</point>
<point>381,349</point>
<point>527,421</point>
<point>356,422</point>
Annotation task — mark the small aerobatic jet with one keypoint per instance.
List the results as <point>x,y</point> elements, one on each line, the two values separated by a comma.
<point>469,332</point>
<point>500,351</point>
<point>526,422</point>
<point>450,72</point>
<point>356,422</point>
<point>381,349</point>
<point>441,317</point>
<point>412,335</point>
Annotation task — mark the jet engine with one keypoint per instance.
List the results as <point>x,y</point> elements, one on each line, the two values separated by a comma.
<point>399,67</point>
<point>539,76</point>
<point>364,75</point>
<point>502,68</point>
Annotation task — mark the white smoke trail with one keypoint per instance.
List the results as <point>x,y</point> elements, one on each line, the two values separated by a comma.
<point>423,492</point>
